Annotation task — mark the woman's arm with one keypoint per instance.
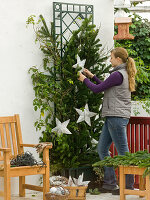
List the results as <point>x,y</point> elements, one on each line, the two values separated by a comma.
<point>97,80</point>
<point>114,79</point>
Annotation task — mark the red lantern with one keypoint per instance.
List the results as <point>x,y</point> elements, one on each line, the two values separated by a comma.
<point>123,28</point>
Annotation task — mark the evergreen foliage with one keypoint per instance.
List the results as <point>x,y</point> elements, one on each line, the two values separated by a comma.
<point>58,93</point>
<point>139,158</point>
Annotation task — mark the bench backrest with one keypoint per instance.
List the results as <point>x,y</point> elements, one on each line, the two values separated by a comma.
<point>10,135</point>
<point>138,135</point>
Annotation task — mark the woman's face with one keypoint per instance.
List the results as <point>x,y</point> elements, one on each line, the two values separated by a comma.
<point>114,61</point>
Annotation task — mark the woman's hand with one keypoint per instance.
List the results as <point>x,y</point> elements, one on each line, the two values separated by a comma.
<point>88,73</point>
<point>81,77</point>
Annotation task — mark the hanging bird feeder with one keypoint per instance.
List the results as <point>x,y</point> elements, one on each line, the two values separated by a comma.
<point>123,28</point>
<point>122,21</point>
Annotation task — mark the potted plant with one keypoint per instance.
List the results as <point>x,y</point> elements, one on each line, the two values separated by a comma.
<point>140,159</point>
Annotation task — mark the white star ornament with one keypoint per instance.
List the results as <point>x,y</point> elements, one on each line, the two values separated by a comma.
<point>61,127</point>
<point>85,115</point>
<point>80,64</point>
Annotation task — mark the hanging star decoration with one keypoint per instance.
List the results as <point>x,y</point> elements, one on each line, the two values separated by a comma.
<point>80,63</point>
<point>61,127</point>
<point>85,115</point>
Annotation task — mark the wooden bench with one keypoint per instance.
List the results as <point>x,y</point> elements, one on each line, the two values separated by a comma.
<point>138,135</point>
<point>10,146</point>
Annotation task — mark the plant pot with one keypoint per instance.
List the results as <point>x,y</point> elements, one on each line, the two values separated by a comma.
<point>89,175</point>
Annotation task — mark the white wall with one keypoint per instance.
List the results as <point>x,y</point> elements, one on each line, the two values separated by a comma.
<point>144,14</point>
<point>138,110</point>
<point>18,53</point>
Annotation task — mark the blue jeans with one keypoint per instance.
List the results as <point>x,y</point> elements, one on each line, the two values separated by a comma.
<point>114,130</point>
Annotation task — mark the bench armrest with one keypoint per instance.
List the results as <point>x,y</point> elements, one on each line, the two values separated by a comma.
<point>27,145</point>
<point>49,145</point>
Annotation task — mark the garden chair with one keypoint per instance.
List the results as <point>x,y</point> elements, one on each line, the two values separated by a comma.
<point>10,146</point>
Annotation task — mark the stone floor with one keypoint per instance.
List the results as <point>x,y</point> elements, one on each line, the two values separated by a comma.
<point>38,196</point>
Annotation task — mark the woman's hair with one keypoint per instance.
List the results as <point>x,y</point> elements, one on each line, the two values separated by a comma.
<point>131,68</point>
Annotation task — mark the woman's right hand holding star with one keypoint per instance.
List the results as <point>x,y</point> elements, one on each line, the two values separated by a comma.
<point>88,73</point>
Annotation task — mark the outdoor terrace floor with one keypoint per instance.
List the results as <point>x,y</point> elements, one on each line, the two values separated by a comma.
<point>38,196</point>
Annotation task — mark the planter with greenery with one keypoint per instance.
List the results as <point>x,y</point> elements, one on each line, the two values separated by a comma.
<point>58,93</point>
<point>140,159</point>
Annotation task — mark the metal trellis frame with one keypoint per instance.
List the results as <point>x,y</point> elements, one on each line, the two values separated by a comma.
<point>68,17</point>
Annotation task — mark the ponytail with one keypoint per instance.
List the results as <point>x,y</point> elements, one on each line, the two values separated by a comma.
<point>131,70</point>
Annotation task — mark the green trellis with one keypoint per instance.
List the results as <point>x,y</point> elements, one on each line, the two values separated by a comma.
<point>68,17</point>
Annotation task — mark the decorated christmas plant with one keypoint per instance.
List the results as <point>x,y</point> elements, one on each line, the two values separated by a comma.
<point>69,111</point>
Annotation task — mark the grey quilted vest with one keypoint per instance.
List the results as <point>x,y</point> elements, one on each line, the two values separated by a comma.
<point>117,99</point>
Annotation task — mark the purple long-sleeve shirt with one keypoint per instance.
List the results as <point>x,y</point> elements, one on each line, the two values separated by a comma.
<point>114,79</point>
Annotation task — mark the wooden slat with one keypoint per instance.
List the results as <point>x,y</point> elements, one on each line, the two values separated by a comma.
<point>7,186</point>
<point>5,149</point>
<point>1,157</point>
<point>2,141</point>
<point>33,187</point>
<point>28,145</point>
<point>145,137</point>
<point>132,138</point>
<point>48,145</point>
<point>27,170</point>
<point>8,136</point>
<point>147,187</point>
<point>135,192</point>
<point>19,134</point>
<point>137,146</point>
<point>137,137</point>
<point>10,119</point>
<point>24,171</point>
<point>133,170</point>
<point>46,184</point>
<point>122,182</point>
<point>13,138</point>
<point>21,186</point>
<point>139,120</point>
<point>141,138</point>
<point>2,136</point>
<point>1,193</point>
<point>141,183</point>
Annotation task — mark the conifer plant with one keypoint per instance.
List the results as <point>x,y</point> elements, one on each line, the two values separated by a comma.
<point>58,92</point>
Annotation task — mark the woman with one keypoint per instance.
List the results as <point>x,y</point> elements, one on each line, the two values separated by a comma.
<point>116,110</point>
